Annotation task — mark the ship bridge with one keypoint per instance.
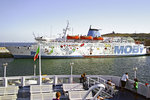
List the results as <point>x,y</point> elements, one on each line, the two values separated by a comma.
<point>94,32</point>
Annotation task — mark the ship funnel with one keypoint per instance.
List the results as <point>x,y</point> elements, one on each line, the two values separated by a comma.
<point>94,32</point>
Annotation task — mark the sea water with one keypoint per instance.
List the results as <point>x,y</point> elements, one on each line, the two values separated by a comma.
<point>90,66</point>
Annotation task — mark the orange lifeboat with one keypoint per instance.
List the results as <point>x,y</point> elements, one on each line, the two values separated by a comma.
<point>86,37</point>
<point>98,38</point>
<point>73,37</point>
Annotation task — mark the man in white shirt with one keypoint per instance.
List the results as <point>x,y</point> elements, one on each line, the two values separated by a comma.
<point>124,79</point>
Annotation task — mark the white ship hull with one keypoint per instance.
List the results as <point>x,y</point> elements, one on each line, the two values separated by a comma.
<point>80,50</point>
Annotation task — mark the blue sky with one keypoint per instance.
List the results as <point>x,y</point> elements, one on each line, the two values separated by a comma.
<point>20,18</point>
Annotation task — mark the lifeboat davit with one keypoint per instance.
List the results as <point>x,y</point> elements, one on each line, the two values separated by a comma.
<point>98,38</point>
<point>86,37</point>
<point>73,37</point>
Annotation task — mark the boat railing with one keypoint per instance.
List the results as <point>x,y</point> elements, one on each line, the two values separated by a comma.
<point>101,88</point>
<point>60,79</point>
<point>96,80</point>
<point>109,90</point>
<point>53,79</point>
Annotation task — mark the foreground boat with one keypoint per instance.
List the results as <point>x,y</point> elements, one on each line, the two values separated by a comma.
<point>92,45</point>
<point>19,88</point>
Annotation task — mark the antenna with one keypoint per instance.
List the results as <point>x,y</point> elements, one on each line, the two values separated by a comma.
<point>72,31</point>
<point>90,26</point>
<point>51,31</point>
<point>34,35</point>
<point>65,30</point>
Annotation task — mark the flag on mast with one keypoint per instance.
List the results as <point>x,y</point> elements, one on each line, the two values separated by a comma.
<point>37,53</point>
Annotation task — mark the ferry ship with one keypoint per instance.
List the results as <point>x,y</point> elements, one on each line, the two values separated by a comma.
<point>91,45</point>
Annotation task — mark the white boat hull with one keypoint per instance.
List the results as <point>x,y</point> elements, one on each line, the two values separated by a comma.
<point>80,50</point>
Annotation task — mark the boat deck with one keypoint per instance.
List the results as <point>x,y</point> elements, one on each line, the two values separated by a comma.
<point>24,94</point>
<point>127,95</point>
<point>19,88</point>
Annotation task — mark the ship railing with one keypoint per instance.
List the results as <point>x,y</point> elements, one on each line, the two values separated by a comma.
<point>53,79</point>
<point>60,79</point>
<point>46,79</point>
<point>109,90</point>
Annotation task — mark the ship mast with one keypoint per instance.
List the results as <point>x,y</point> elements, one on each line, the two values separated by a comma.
<point>65,31</point>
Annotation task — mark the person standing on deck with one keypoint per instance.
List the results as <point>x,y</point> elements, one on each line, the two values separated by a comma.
<point>135,84</point>
<point>82,78</point>
<point>85,85</point>
<point>124,79</point>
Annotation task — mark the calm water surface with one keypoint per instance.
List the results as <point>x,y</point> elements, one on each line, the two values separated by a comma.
<point>93,66</point>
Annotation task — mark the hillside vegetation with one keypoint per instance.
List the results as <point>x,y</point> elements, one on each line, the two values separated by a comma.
<point>142,37</point>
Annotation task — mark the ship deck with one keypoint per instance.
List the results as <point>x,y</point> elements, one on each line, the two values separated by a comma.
<point>24,94</point>
<point>24,90</point>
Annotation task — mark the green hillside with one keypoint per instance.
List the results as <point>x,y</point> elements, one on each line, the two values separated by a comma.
<point>142,37</point>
